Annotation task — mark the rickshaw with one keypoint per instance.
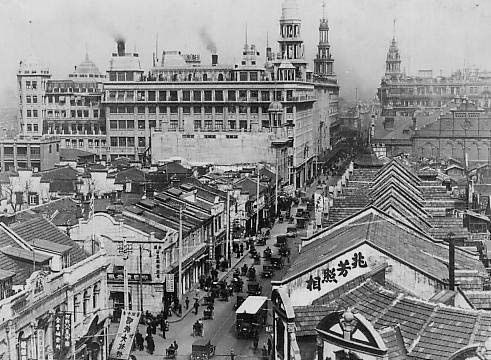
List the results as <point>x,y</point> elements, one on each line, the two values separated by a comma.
<point>276,262</point>
<point>170,353</point>
<point>253,288</point>
<point>237,284</point>
<point>284,250</point>
<point>240,299</point>
<point>267,253</point>
<point>208,314</point>
<point>202,349</point>
<point>251,274</point>
<point>257,259</point>
<point>215,289</point>
<point>197,328</point>
<point>267,271</point>
<point>250,316</point>
<point>208,300</point>
<point>280,239</point>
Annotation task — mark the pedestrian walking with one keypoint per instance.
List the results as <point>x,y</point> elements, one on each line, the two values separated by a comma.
<point>175,345</point>
<point>149,330</point>
<point>232,354</point>
<point>150,344</point>
<point>163,327</point>
<point>196,307</point>
<point>139,340</point>
<point>241,248</point>
<point>187,303</point>
<point>264,352</point>
<point>270,346</point>
<point>256,340</point>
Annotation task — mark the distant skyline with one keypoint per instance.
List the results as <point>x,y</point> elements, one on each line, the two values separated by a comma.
<point>443,35</point>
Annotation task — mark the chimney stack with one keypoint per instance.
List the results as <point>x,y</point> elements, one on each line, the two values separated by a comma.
<point>121,49</point>
<point>451,261</point>
<point>214,59</point>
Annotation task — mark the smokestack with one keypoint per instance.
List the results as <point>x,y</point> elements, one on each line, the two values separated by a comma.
<point>121,50</point>
<point>214,59</point>
<point>451,261</point>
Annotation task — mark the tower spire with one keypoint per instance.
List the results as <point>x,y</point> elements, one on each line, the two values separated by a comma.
<point>86,53</point>
<point>246,34</point>
<point>323,9</point>
<point>394,29</point>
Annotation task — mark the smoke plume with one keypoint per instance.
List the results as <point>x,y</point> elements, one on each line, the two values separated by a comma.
<point>206,38</point>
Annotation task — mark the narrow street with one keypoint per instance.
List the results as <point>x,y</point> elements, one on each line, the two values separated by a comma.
<point>221,329</point>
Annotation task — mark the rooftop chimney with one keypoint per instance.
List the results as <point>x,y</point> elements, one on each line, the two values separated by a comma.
<point>121,50</point>
<point>214,59</point>
<point>451,261</point>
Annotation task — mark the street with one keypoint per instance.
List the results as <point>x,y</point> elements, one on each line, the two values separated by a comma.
<point>221,329</point>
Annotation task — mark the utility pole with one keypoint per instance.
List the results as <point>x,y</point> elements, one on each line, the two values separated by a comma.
<point>227,231</point>
<point>257,202</point>
<point>125,275</point>
<point>141,280</point>
<point>276,188</point>
<point>179,285</point>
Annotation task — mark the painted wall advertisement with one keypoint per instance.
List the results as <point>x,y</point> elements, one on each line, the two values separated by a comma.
<point>169,283</point>
<point>124,339</point>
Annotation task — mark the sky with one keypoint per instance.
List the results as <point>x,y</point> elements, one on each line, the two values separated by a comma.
<point>442,35</point>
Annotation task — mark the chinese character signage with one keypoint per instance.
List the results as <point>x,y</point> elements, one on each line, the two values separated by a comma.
<point>67,330</point>
<point>40,339</point>
<point>58,335</point>
<point>319,208</point>
<point>331,275</point>
<point>126,331</point>
<point>169,283</point>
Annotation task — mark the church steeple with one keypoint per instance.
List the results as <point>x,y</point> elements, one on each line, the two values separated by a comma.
<point>393,61</point>
<point>323,63</point>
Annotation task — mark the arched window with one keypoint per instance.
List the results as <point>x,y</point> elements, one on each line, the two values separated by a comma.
<point>205,77</point>
<point>85,304</point>
<point>95,296</point>
<point>220,77</point>
<point>190,77</point>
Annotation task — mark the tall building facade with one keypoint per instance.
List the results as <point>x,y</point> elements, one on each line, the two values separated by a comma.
<point>69,109</point>
<point>402,94</point>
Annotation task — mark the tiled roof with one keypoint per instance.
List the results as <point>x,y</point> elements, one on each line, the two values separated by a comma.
<point>61,212</point>
<point>75,154</point>
<point>40,228</point>
<point>132,174</point>
<point>428,330</point>
<point>384,232</point>
<point>62,173</point>
<point>479,299</point>
<point>26,255</point>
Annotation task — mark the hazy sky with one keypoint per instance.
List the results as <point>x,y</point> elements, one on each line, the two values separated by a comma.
<point>438,34</point>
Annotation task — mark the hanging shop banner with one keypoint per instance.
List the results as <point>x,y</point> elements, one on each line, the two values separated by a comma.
<point>40,341</point>
<point>169,283</point>
<point>23,348</point>
<point>67,330</point>
<point>58,335</point>
<point>319,208</point>
<point>124,339</point>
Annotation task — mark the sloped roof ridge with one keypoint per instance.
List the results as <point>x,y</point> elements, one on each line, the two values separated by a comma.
<point>423,329</point>
<point>400,166</point>
<point>393,183</point>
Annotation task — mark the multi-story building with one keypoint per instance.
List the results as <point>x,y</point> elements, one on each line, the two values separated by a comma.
<point>36,153</point>
<point>69,108</point>
<point>402,94</point>
<point>225,114</point>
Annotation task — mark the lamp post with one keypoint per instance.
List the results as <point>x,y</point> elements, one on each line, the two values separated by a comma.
<point>179,284</point>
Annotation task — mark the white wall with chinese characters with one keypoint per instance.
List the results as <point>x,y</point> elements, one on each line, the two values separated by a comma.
<point>318,282</point>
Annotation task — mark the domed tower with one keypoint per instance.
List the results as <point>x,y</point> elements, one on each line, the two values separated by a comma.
<point>290,42</point>
<point>323,63</point>
<point>393,61</point>
<point>31,86</point>
<point>87,70</point>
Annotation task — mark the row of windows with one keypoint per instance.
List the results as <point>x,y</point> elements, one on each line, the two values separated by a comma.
<point>80,142</point>
<point>231,109</point>
<point>90,301</point>
<point>32,127</point>
<point>74,101</point>
<point>191,136</point>
<point>32,113</point>
<point>32,99</point>
<point>22,150</point>
<point>130,124</point>
<point>73,114</point>
<point>122,141</point>
<point>218,124</point>
<point>199,95</point>
<point>31,85</point>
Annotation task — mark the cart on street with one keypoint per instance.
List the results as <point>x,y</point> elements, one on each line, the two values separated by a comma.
<point>202,349</point>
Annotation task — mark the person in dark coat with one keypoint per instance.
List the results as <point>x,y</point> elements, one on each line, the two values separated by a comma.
<point>163,327</point>
<point>149,330</point>
<point>139,340</point>
<point>270,346</point>
<point>196,307</point>
<point>150,344</point>
<point>187,302</point>
<point>175,345</point>
<point>241,249</point>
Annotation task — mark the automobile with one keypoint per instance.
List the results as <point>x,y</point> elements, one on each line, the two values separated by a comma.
<point>202,349</point>
<point>291,231</point>
<point>251,316</point>
<point>284,250</point>
<point>254,288</point>
<point>267,272</point>
<point>276,262</point>
<point>280,239</point>
<point>240,299</point>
